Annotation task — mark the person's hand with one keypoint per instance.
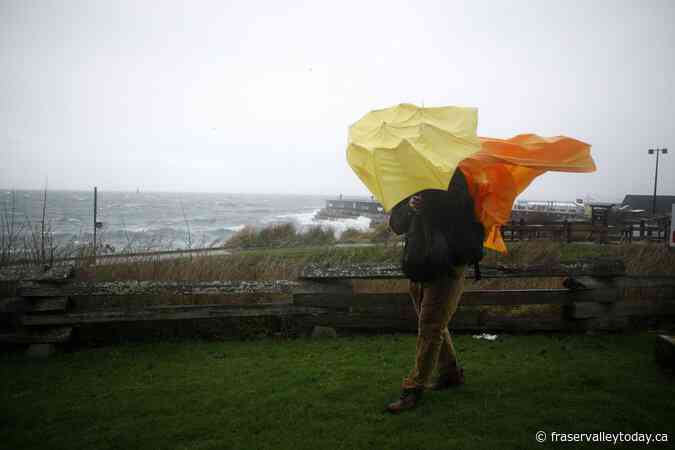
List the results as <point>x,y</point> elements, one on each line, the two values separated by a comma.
<point>415,202</point>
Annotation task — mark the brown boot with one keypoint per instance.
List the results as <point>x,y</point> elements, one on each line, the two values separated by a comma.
<point>452,379</point>
<point>408,400</point>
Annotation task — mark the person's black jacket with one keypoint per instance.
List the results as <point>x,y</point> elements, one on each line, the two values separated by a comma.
<point>451,211</point>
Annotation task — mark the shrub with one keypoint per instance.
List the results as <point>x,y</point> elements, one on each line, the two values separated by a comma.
<point>317,235</point>
<point>382,233</point>
<point>280,235</point>
<point>277,235</point>
<point>244,238</point>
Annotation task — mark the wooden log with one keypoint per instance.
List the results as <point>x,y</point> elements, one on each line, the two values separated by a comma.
<point>464,320</point>
<point>86,303</point>
<point>33,305</point>
<point>653,308</point>
<point>56,274</point>
<point>511,297</point>
<point>51,335</point>
<point>362,322</point>
<point>13,305</point>
<point>49,304</point>
<point>115,288</point>
<point>601,267</point>
<point>594,289</point>
<point>169,313</point>
<point>318,272</point>
<point>33,289</point>
<point>587,310</point>
<point>40,351</point>
<point>617,315</point>
<point>512,324</point>
<point>346,301</point>
<point>607,323</point>
<point>491,297</point>
<point>645,281</point>
<point>322,286</point>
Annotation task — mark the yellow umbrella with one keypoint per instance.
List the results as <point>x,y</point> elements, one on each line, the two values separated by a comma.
<point>399,151</point>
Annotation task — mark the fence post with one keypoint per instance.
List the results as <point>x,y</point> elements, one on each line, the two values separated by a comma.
<point>595,295</point>
<point>567,232</point>
<point>642,229</point>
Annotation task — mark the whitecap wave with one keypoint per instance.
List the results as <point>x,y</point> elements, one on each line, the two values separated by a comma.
<point>304,221</point>
<point>235,228</point>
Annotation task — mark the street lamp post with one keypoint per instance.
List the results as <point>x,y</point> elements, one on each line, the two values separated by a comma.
<point>651,151</point>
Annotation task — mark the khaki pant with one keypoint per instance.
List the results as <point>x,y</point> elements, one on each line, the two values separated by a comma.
<point>435,303</point>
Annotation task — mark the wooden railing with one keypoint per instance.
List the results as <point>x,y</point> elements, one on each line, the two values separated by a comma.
<point>47,307</point>
<point>588,232</point>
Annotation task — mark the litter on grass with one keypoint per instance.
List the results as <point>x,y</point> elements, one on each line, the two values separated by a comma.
<point>487,337</point>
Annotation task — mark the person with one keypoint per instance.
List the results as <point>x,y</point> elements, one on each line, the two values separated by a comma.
<point>435,301</point>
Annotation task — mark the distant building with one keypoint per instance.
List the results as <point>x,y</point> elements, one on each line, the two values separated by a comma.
<point>664,203</point>
<point>346,207</point>
<point>356,205</point>
<point>557,208</point>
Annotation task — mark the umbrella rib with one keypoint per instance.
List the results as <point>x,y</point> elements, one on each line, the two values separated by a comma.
<point>377,179</point>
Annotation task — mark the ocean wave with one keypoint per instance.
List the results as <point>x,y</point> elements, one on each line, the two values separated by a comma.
<point>305,221</point>
<point>258,210</point>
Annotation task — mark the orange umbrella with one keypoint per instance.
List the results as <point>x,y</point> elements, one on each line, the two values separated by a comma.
<point>503,168</point>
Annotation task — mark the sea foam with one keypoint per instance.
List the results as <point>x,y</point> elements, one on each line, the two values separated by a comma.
<point>304,221</point>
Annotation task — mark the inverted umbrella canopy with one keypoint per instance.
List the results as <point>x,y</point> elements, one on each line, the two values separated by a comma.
<point>399,151</point>
<point>504,168</point>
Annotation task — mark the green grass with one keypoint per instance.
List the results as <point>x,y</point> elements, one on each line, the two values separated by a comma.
<point>305,394</point>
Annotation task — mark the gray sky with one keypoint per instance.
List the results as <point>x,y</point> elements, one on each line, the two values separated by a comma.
<point>253,96</point>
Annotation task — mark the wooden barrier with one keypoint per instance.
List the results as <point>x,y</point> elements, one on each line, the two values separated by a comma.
<point>49,306</point>
<point>654,230</point>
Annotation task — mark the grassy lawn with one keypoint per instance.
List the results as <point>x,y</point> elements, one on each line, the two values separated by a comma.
<point>308,394</point>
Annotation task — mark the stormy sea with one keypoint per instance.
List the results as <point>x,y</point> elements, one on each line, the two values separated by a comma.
<point>142,221</point>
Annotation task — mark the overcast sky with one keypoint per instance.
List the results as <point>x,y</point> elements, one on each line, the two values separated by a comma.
<point>253,96</point>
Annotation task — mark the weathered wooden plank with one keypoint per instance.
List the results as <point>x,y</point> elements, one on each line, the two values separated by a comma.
<point>608,295</point>
<point>651,308</point>
<point>595,289</point>
<point>352,321</point>
<point>158,287</point>
<point>33,289</point>
<point>101,302</point>
<point>49,304</point>
<point>330,286</point>
<point>493,297</point>
<point>645,281</point>
<point>345,301</point>
<point>55,274</point>
<point>13,305</point>
<point>20,304</point>
<point>605,267</point>
<point>169,313</point>
<point>511,297</point>
<point>463,320</point>
<point>322,271</point>
<point>587,310</point>
<point>52,335</point>
<point>512,324</point>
